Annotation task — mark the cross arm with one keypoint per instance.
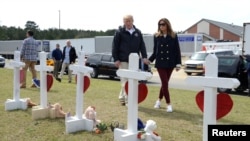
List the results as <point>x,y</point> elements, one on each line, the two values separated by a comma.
<point>42,68</point>
<point>213,81</point>
<point>132,74</point>
<point>16,63</point>
<point>82,69</point>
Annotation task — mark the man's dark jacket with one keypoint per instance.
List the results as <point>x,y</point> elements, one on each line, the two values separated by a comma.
<point>72,54</point>
<point>125,43</point>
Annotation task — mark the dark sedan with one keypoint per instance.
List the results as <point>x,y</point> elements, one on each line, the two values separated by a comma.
<point>233,66</point>
<point>103,64</point>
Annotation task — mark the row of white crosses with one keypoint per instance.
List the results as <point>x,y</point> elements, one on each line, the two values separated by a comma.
<point>210,83</point>
<point>133,74</point>
<point>73,123</point>
<point>17,103</point>
<point>78,122</point>
<point>42,110</point>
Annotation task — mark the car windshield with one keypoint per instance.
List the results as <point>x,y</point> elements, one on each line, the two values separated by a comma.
<point>226,61</point>
<point>199,56</point>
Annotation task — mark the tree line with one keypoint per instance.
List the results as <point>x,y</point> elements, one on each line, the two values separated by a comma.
<point>17,33</point>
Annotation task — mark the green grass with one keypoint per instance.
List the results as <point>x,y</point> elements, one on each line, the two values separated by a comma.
<point>184,124</point>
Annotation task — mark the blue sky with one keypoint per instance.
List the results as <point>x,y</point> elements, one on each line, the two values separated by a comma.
<point>107,14</point>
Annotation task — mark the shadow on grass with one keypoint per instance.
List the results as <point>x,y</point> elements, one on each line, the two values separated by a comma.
<point>180,115</point>
<point>107,78</point>
<point>38,89</point>
<point>153,83</point>
<point>176,114</point>
<point>244,93</point>
<point>53,90</point>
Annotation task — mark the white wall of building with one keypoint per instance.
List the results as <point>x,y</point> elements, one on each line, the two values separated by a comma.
<point>87,44</point>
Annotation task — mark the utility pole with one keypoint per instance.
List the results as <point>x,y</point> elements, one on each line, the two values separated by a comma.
<point>59,19</point>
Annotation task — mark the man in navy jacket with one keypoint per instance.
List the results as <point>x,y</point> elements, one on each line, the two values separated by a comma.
<point>127,39</point>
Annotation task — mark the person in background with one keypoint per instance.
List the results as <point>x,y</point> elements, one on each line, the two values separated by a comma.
<point>29,56</point>
<point>167,56</point>
<point>68,57</point>
<point>127,39</point>
<point>57,58</point>
<point>248,72</point>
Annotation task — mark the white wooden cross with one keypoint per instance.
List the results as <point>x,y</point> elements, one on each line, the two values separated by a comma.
<point>79,121</point>
<point>42,110</point>
<point>16,102</point>
<point>210,83</point>
<point>133,74</point>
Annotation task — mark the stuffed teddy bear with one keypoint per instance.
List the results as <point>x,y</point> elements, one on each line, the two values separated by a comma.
<point>59,113</point>
<point>30,104</point>
<point>90,113</point>
<point>149,128</point>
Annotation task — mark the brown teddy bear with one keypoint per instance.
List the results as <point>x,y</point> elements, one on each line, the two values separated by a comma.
<point>30,103</point>
<point>59,113</point>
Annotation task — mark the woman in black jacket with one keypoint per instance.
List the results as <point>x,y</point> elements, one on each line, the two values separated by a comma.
<point>167,57</point>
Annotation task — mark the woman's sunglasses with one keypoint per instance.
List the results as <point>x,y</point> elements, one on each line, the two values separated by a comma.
<point>162,24</point>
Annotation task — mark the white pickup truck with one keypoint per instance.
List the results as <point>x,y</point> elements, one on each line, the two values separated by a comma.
<point>196,63</point>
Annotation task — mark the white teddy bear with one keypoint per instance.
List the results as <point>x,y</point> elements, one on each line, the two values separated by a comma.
<point>149,128</point>
<point>90,113</point>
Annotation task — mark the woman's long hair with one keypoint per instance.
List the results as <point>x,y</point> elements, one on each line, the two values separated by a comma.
<point>169,28</point>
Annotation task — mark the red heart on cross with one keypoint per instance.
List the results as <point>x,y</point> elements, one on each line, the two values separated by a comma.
<point>21,75</point>
<point>142,91</point>
<point>86,82</point>
<point>224,103</point>
<point>49,81</point>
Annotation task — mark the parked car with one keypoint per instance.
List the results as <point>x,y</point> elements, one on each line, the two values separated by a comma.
<point>233,66</point>
<point>2,61</point>
<point>103,64</point>
<point>196,62</point>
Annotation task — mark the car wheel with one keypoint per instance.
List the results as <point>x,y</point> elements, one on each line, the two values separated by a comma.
<point>143,81</point>
<point>223,90</point>
<point>240,90</point>
<point>200,74</point>
<point>188,73</point>
<point>94,74</point>
<point>111,77</point>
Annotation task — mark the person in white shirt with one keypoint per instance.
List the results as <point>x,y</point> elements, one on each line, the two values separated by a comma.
<point>69,57</point>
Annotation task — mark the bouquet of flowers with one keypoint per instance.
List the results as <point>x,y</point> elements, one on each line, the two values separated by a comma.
<point>141,135</point>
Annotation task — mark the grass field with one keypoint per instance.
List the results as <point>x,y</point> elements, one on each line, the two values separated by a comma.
<point>184,124</point>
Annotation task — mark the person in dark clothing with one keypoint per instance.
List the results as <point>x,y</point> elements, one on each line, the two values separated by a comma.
<point>167,56</point>
<point>68,57</point>
<point>57,58</point>
<point>127,39</point>
<point>248,73</point>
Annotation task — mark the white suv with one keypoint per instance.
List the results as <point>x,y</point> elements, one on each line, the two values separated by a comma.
<point>196,62</point>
